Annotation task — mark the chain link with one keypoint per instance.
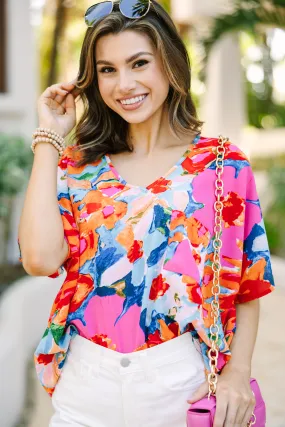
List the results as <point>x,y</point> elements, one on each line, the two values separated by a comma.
<point>213,352</point>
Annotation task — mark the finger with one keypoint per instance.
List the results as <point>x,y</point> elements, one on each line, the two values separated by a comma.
<point>60,110</point>
<point>52,91</point>
<point>60,98</point>
<point>240,413</point>
<point>53,105</point>
<point>68,88</point>
<point>76,92</point>
<point>235,410</point>
<point>70,105</point>
<point>199,393</point>
<point>248,414</point>
<point>221,412</point>
<point>69,85</point>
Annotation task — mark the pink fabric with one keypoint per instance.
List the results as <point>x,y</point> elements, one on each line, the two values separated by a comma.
<point>183,261</point>
<point>100,316</point>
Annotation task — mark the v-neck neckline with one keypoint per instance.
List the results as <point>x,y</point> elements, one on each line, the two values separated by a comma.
<point>164,176</point>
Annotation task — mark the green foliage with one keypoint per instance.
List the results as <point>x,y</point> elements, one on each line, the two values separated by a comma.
<point>247,16</point>
<point>275,213</point>
<point>273,235</point>
<point>277,180</point>
<point>253,17</point>
<point>15,160</point>
<point>166,5</point>
<point>262,106</point>
<point>268,163</point>
<point>274,217</point>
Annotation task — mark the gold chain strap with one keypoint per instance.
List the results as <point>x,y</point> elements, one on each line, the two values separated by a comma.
<point>213,352</point>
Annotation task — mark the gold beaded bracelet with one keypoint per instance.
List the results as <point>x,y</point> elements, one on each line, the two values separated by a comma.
<point>50,136</point>
<point>48,133</point>
<point>59,148</point>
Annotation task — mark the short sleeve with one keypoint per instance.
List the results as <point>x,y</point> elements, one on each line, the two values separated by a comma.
<point>256,276</point>
<point>66,211</point>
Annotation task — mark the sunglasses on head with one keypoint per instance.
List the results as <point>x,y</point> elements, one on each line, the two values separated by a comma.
<point>132,9</point>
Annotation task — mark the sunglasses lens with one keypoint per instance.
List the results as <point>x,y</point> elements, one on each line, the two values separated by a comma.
<point>134,8</point>
<point>98,11</point>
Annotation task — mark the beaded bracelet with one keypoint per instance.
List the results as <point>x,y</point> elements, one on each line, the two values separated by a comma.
<point>50,136</point>
<point>48,133</point>
<point>59,148</point>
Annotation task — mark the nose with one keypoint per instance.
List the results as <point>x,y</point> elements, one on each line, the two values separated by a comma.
<point>126,83</point>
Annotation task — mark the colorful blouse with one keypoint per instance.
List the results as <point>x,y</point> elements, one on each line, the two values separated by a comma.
<point>139,263</point>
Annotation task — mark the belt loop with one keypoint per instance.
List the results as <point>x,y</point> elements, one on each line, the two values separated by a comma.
<point>84,369</point>
<point>88,370</point>
<point>149,373</point>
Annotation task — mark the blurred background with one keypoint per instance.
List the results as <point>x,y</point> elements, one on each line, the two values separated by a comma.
<point>237,49</point>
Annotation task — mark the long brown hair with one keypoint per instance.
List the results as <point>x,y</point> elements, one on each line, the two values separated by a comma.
<point>100,129</point>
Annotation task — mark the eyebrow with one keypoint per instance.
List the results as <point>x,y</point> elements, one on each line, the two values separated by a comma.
<point>128,60</point>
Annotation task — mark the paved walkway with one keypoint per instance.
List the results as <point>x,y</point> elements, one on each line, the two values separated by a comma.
<point>268,361</point>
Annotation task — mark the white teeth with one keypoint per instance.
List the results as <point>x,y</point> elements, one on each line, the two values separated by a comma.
<point>133,100</point>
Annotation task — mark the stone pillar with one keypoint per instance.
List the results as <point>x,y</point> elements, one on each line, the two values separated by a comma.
<point>223,104</point>
<point>191,12</point>
<point>18,114</point>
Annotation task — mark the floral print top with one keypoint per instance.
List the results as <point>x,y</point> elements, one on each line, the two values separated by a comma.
<point>139,263</point>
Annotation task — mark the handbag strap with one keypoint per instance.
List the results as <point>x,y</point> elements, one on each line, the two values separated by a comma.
<point>213,352</point>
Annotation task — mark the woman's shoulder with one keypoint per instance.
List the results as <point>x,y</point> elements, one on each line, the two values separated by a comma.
<point>235,156</point>
<point>231,149</point>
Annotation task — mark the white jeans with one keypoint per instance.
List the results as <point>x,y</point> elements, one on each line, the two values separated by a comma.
<point>100,387</point>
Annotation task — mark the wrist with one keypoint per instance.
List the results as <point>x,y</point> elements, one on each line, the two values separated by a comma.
<point>47,135</point>
<point>44,147</point>
<point>238,367</point>
<point>53,128</point>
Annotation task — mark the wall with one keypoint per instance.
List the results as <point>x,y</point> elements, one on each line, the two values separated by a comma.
<point>17,106</point>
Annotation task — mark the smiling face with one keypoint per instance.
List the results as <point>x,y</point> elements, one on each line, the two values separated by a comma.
<point>120,76</point>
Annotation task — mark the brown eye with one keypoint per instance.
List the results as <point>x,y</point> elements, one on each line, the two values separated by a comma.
<point>142,60</point>
<point>106,68</point>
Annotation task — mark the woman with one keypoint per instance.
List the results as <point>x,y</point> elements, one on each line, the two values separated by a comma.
<point>128,334</point>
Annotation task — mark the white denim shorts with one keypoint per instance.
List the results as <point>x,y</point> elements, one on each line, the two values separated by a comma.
<point>100,387</point>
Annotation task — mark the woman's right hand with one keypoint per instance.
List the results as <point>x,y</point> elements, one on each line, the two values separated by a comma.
<point>57,109</point>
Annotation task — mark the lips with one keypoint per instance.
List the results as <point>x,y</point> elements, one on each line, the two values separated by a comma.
<point>133,106</point>
<point>135,96</point>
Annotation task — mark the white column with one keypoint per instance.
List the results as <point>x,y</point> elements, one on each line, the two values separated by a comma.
<point>224,105</point>
<point>18,115</point>
<point>192,11</point>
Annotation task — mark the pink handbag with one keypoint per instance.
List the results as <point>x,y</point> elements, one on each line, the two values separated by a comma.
<point>202,413</point>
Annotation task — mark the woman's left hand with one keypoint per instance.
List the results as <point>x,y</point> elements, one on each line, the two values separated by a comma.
<point>234,398</point>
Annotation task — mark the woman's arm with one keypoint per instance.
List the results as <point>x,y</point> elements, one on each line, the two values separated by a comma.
<point>243,342</point>
<point>41,234</point>
<point>235,401</point>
